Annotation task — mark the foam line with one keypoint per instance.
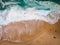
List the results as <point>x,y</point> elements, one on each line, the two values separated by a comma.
<point>17,14</point>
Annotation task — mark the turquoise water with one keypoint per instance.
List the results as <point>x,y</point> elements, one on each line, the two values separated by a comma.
<point>37,4</point>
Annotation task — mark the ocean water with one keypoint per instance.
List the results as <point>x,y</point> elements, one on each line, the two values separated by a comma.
<point>38,4</point>
<point>21,10</point>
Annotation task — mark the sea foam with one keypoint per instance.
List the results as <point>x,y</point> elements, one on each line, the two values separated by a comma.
<point>17,14</point>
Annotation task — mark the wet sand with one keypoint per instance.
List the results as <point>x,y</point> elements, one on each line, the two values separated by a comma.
<point>34,33</point>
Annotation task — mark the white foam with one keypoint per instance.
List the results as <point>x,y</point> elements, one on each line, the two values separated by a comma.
<point>16,14</point>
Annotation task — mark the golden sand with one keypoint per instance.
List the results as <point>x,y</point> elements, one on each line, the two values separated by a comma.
<point>31,33</point>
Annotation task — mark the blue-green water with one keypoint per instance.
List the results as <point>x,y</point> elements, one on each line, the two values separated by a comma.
<point>38,4</point>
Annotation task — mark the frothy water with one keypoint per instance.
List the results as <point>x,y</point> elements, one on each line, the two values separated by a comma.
<point>24,10</point>
<point>16,14</point>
